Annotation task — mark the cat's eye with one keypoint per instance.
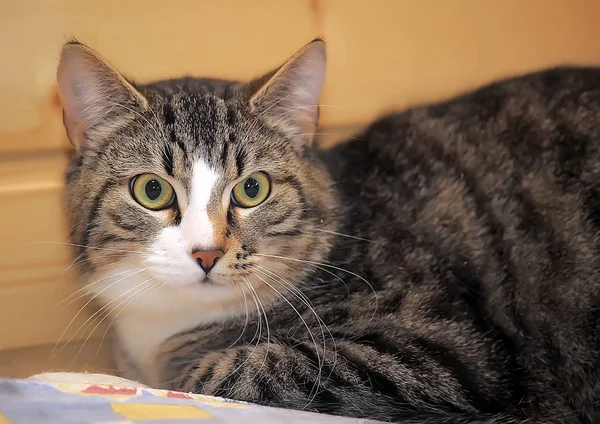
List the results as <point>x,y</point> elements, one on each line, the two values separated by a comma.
<point>152,191</point>
<point>252,191</point>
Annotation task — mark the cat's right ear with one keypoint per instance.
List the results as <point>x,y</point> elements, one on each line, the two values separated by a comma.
<point>290,95</point>
<point>96,99</point>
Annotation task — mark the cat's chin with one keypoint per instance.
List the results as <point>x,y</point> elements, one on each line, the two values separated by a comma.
<point>199,285</point>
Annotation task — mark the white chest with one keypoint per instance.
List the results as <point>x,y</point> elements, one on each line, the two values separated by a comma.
<point>141,335</point>
<point>147,321</point>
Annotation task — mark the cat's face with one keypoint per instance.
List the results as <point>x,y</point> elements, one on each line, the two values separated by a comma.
<point>194,189</point>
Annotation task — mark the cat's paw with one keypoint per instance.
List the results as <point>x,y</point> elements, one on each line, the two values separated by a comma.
<point>234,373</point>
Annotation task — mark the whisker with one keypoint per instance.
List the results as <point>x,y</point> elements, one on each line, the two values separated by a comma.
<point>245,322</point>
<point>319,264</point>
<point>302,298</point>
<point>319,360</point>
<point>154,285</point>
<point>103,310</point>
<point>257,302</point>
<point>53,353</point>
<point>134,294</point>
<point>342,234</point>
<point>74,263</point>
<point>258,332</point>
<point>88,287</point>
<point>81,260</point>
<point>266,324</point>
<point>299,295</point>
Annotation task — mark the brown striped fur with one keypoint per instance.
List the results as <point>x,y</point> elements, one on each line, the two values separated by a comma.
<point>441,266</point>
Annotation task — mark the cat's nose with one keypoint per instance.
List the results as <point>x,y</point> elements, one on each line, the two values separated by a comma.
<point>207,259</point>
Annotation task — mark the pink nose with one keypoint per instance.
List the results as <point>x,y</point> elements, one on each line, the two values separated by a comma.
<point>207,259</point>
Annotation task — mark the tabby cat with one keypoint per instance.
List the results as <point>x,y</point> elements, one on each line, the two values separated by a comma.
<point>442,266</point>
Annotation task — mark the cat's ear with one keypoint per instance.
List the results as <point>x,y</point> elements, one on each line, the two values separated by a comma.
<point>289,97</point>
<point>96,99</point>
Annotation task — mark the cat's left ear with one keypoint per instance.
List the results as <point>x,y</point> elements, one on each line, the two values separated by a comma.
<point>290,96</point>
<point>96,98</point>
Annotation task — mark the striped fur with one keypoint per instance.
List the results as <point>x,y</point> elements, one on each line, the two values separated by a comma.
<point>440,267</point>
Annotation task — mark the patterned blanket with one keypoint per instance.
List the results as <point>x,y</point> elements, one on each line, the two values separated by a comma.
<point>64,398</point>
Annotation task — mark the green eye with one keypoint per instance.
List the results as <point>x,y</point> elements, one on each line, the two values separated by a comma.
<point>252,191</point>
<point>152,191</point>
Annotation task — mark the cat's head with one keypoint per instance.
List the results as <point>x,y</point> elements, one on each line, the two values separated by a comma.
<point>197,189</point>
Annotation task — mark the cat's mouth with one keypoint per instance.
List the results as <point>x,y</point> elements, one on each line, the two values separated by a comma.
<point>200,283</point>
<point>207,281</point>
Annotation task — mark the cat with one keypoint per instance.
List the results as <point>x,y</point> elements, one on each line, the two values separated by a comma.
<point>440,266</point>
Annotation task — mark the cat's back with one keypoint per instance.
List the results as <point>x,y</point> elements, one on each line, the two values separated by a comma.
<point>517,162</point>
<point>524,116</point>
<point>535,137</point>
<point>491,201</point>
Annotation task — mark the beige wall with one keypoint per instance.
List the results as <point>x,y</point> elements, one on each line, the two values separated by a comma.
<point>382,54</point>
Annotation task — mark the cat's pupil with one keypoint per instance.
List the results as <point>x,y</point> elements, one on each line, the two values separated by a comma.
<point>153,189</point>
<point>251,187</point>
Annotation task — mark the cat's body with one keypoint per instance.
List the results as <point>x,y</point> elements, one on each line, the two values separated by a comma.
<point>441,266</point>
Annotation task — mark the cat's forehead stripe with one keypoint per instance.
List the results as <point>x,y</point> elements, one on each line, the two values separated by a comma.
<point>196,222</point>
<point>203,182</point>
